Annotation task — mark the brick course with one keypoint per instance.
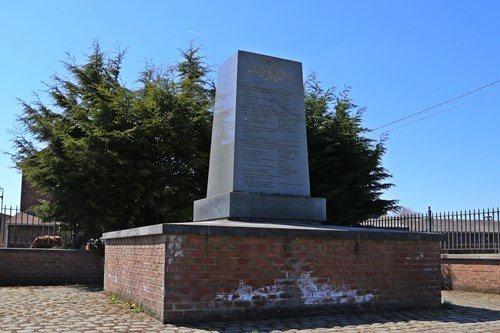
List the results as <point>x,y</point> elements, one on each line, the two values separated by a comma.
<point>185,277</point>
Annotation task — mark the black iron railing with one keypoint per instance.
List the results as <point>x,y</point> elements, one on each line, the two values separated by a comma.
<point>473,231</point>
<point>23,229</point>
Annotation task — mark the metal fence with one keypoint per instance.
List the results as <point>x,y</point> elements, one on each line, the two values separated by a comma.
<point>473,231</point>
<point>24,229</point>
<point>476,231</point>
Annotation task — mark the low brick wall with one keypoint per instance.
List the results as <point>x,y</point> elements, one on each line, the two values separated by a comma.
<point>135,270</point>
<point>227,270</point>
<point>50,267</point>
<point>471,272</point>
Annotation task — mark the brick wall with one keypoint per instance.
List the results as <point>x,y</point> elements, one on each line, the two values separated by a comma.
<point>135,270</point>
<point>199,275</point>
<point>29,195</point>
<point>50,267</point>
<point>471,272</point>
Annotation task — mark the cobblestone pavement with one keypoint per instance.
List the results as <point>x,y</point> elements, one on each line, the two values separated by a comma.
<point>86,309</point>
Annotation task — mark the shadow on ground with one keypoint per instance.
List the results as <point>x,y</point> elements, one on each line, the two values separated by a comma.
<point>447,314</point>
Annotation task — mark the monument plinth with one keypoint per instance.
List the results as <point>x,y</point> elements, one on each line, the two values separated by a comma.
<point>258,161</point>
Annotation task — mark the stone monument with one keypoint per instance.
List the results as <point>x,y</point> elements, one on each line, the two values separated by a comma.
<point>227,265</point>
<point>258,161</point>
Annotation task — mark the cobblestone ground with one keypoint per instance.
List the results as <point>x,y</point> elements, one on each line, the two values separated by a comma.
<point>86,309</point>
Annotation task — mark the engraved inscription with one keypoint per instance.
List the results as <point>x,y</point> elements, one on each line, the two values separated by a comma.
<point>270,70</point>
<point>269,128</point>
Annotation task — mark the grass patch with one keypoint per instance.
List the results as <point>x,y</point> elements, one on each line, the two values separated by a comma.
<point>447,305</point>
<point>114,299</point>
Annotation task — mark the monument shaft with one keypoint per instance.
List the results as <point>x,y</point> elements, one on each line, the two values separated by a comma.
<point>259,146</point>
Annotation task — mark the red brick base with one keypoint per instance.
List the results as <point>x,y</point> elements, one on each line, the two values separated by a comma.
<point>198,273</point>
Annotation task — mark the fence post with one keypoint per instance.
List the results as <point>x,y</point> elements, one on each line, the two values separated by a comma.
<point>3,225</point>
<point>429,220</point>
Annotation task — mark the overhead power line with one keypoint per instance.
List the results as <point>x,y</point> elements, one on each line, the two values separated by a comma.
<point>435,106</point>
<point>448,109</point>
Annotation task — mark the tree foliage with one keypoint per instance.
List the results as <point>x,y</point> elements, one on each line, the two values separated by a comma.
<point>345,166</point>
<point>114,157</point>
<point>111,157</point>
<point>406,211</point>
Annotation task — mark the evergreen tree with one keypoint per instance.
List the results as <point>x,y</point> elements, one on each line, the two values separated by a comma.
<point>112,157</point>
<point>345,166</point>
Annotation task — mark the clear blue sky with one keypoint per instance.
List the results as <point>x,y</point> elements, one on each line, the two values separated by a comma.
<point>399,57</point>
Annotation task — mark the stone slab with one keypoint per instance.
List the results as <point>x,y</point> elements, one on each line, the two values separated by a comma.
<point>471,256</point>
<point>272,229</point>
<point>258,206</point>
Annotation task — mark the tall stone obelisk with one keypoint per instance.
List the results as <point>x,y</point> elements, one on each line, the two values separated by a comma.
<point>259,168</point>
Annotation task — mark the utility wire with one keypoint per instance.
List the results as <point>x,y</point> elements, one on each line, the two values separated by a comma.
<point>434,106</point>
<point>435,114</point>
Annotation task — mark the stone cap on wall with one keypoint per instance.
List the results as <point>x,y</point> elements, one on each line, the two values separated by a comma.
<point>271,229</point>
<point>472,256</point>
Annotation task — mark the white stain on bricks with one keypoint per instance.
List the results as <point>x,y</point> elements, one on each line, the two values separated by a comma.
<point>320,293</point>
<point>418,256</point>
<point>245,292</point>
<point>311,292</point>
<point>174,248</point>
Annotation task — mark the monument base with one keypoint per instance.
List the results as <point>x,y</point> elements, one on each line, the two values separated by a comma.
<point>230,270</point>
<point>258,206</point>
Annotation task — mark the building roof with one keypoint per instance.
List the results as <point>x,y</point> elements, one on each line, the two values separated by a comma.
<point>24,218</point>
